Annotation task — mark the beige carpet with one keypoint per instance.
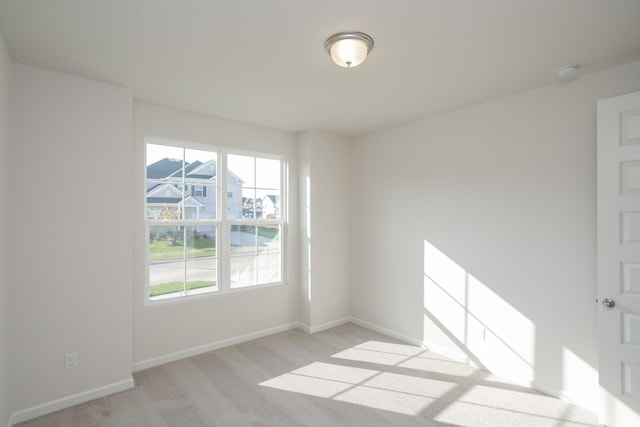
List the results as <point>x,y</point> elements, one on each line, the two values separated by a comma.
<point>346,376</point>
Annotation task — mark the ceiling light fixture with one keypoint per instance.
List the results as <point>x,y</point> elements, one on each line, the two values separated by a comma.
<point>567,72</point>
<point>349,49</point>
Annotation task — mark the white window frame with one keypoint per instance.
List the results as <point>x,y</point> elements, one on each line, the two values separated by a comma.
<point>221,222</point>
<point>281,222</point>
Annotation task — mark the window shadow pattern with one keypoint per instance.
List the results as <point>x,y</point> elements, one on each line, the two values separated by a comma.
<point>416,382</point>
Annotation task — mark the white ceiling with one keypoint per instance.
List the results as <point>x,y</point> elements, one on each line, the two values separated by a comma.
<point>263,61</point>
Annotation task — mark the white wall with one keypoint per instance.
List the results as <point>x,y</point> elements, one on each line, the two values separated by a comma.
<point>5,368</point>
<point>484,244</point>
<point>71,256</point>
<point>325,214</point>
<point>164,332</point>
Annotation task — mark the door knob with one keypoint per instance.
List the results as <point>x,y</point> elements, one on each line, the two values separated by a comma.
<point>608,302</point>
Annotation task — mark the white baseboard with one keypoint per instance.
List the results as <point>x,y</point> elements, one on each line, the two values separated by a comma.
<point>458,356</point>
<point>304,327</point>
<point>548,390</point>
<point>65,402</point>
<point>172,357</point>
<point>553,392</point>
<point>323,327</point>
<point>49,407</point>
<point>385,331</point>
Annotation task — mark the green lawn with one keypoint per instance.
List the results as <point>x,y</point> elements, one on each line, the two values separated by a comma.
<point>268,232</point>
<point>171,287</point>
<point>163,250</point>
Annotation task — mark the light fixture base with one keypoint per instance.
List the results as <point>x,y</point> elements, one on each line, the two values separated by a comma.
<point>567,72</point>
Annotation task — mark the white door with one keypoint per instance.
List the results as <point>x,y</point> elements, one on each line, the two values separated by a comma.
<point>619,259</point>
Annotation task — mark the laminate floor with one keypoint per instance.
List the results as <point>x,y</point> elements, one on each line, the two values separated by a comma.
<point>345,376</point>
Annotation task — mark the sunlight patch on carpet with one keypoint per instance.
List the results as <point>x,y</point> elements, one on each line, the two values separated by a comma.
<point>380,389</point>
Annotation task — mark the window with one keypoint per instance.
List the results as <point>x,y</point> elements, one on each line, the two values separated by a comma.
<point>192,248</point>
<point>199,190</point>
<point>255,232</point>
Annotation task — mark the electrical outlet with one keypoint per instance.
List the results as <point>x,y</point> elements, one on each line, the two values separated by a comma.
<point>70,361</point>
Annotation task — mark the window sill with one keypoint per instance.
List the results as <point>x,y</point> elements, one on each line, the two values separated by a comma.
<point>201,296</point>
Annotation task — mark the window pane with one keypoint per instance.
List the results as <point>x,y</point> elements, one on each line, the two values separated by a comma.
<point>243,239</point>
<point>243,271</point>
<point>269,254</point>
<point>200,184</point>
<point>200,201</point>
<point>166,261</point>
<point>240,187</point>
<point>243,255</point>
<point>269,204</point>
<point>202,260</point>
<point>267,173</point>
<point>255,255</point>
<point>200,163</point>
<point>251,205</point>
<point>260,193</point>
<point>241,171</point>
<point>163,161</point>
<point>164,179</point>
<point>235,203</point>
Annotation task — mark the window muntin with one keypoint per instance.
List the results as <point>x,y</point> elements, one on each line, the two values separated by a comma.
<point>182,261</point>
<point>258,181</point>
<point>256,214</point>
<point>255,254</point>
<point>184,227</point>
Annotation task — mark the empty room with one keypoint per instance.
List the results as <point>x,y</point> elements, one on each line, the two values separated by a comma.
<point>337,213</point>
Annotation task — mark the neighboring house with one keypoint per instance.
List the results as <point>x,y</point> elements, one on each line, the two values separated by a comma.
<point>271,206</point>
<point>165,189</point>
<point>164,201</point>
<point>251,208</point>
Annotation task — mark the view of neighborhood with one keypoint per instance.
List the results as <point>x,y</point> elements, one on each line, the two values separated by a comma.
<point>182,186</point>
<point>170,196</point>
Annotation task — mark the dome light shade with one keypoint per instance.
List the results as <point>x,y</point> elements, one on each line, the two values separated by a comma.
<point>349,49</point>
<point>567,72</point>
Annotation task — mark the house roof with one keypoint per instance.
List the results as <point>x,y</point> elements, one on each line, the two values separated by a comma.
<point>166,168</point>
<point>163,168</point>
<point>190,167</point>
